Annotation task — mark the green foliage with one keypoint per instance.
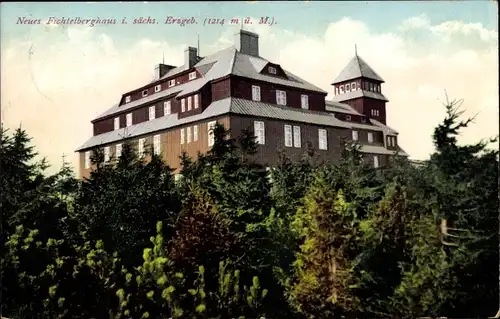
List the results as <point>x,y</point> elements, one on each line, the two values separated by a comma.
<point>121,204</point>
<point>232,240</point>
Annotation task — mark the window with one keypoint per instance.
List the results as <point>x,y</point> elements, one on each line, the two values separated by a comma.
<point>142,142</point>
<point>347,87</point>
<point>171,83</point>
<point>378,88</point>
<point>272,70</point>
<point>375,112</point>
<point>152,112</point>
<point>117,123</point>
<point>156,144</point>
<point>106,154</point>
<point>127,99</point>
<point>144,93</point>
<point>190,103</point>
<point>183,105</point>
<point>371,87</point>
<point>280,97</point>
<point>363,120</point>
<point>288,136</point>
<point>336,91</point>
<point>182,136</point>
<point>195,133</point>
<point>296,136</point>
<point>354,135</point>
<point>255,93</point>
<point>304,101</point>
<point>341,89</point>
<point>353,86</point>
<point>157,88</point>
<point>211,136</point>
<point>87,159</point>
<point>167,108</point>
<point>192,75</point>
<point>391,141</point>
<point>375,161</point>
<point>118,150</point>
<point>260,133</point>
<point>188,134</point>
<point>322,137</point>
<point>370,137</point>
<point>196,101</point>
<point>347,117</point>
<point>129,119</point>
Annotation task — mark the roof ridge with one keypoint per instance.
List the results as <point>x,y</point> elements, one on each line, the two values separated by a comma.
<point>233,59</point>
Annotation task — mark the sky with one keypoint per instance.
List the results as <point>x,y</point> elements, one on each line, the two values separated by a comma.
<point>55,78</point>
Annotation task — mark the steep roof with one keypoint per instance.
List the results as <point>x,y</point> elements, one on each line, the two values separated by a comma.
<point>357,68</point>
<point>333,106</point>
<point>375,149</point>
<point>219,108</point>
<point>220,64</point>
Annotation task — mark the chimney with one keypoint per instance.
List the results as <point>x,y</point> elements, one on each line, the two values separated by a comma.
<point>190,57</point>
<point>247,42</point>
<point>161,69</point>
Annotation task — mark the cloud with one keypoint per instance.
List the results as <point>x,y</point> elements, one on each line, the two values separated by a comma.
<point>54,88</point>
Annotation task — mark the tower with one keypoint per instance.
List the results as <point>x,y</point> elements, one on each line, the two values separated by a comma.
<point>361,87</point>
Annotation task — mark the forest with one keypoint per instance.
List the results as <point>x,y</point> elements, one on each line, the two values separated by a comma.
<point>231,239</point>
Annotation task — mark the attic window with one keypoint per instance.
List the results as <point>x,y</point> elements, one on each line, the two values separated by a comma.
<point>157,88</point>
<point>171,83</point>
<point>347,117</point>
<point>272,70</point>
<point>192,75</point>
<point>127,99</point>
<point>144,93</point>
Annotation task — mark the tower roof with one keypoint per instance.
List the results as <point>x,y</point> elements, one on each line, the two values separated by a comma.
<point>357,68</point>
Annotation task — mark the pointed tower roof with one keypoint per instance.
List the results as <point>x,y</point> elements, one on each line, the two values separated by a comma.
<point>357,68</point>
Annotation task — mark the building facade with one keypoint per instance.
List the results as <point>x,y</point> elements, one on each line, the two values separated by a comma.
<point>239,89</point>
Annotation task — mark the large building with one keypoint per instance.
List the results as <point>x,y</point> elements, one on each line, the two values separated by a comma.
<point>240,89</point>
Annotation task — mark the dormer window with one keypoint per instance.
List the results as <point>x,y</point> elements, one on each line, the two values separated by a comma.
<point>171,83</point>
<point>347,87</point>
<point>192,75</point>
<point>157,88</point>
<point>272,70</point>
<point>144,93</point>
<point>127,99</point>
